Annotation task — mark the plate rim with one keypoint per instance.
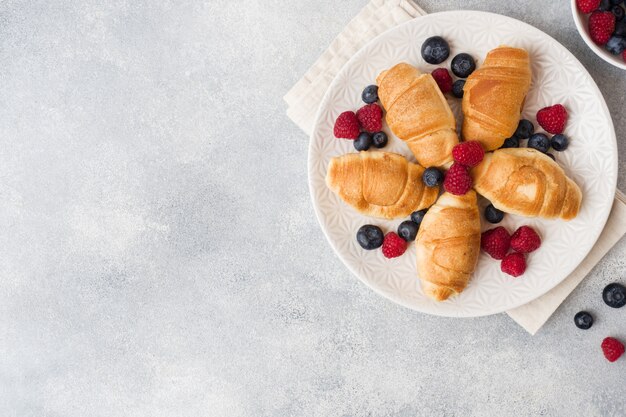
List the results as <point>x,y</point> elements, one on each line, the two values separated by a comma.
<point>326,97</point>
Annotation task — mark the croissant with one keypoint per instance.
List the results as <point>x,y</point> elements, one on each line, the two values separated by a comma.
<point>527,182</point>
<point>494,95</point>
<point>380,184</point>
<point>418,113</point>
<point>448,245</point>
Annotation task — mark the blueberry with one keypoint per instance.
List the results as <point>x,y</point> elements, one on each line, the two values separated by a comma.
<point>605,5</point>
<point>432,177</point>
<point>408,230</point>
<point>493,215</point>
<point>614,295</point>
<point>418,216</point>
<point>457,88</point>
<point>435,50</point>
<point>616,2</point>
<point>559,142</point>
<point>379,140</point>
<point>540,142</point>
<point>370,237</point>
<point>463,65</point>
<point>363,142</point>
<point>525,129</point>
<point>620,29</point>
<point>370,94</point>
<point>616,45</point>
<point>512,142</point>
<point>618,11</point>
<point>583,320</point>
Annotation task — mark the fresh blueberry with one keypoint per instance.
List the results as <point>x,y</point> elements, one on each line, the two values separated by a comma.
<point>457,88</point>
<point>463,65</point>
<point>512,142</point>
<point>408,230</point>
<point>432,177</point>
<point>418,216</point>
<point>379,140</point>
<point>493,215</point>
<point>435,50</point>
<point>614,295</point>
<point>616,45</point>
<point>525,128</point>
<point>616,2</point>
<point>540,142</point>
<point>370,237</point>
<point>370,94</point>
<point>620,29</point>
<point>618,11</point>
<point>605,5</point>
<point>551,156</point>
<point>363,142</point>
<point>559,142</point>
<point>583,320</point>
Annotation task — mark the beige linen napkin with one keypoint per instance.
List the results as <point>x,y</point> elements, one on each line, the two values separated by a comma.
<point>379,15</point>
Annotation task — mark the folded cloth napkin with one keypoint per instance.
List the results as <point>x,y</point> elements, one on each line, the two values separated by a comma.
<point>304,97</point>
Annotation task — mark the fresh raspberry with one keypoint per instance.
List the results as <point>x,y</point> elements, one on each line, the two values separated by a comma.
<point>370,117</point>
<point>624,55</point>
<point>525,240</point>
<point>552,118</point>
<point>443,79</point>
<point>393,245</point>
<point>347,126</point>
<point>468,153</point>
<point>587,6</point>
<point>612,349</point>
<point>496,242</point>
<point>458,180</point>
<point>514,264</point>
<point>601,27</point>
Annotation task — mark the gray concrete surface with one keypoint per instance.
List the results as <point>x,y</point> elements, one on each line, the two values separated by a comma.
<point>159,255</point>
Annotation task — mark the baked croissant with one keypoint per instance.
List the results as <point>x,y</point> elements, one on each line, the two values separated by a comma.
<point>380,184</point>
<point>494,95</point>
<point>448,245</point>
<point>527,182</point>
<point>418,113</point>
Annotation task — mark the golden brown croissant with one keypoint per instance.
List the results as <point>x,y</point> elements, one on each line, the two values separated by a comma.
<point>494,95</point>
<point>380,184</point>
<point>448,245</point>
<point>527,182</point>
<point>418,113</point>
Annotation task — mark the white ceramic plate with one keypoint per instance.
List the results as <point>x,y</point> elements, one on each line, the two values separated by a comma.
<point>591,160</point>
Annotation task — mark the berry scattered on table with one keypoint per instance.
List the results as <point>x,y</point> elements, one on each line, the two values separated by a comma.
<point>614,295</point>
<point>612,348</point>
<point>346,126</point>
<point>469,153</point>
<point>616,45</point>
<point>496,242</point>
<point>587,6</point>
<point>601,27</point>
<point>552,118</point>
<point>514,264</point>
<point>370,117</point>
<point>363,142</point>
<point>443,79</point>
<point>463,65</point>
<point>583,320</point>
<point>618,11</point>
<point>512,142</point>
<point>435,50</point>
<point>393,245</point>
<point>370,237</point>
<point>525,128</point>
<point>559,142</point>
<point>370,94</point>
<point>432,177</point>
<point>408,230</point>
<point>525,240</point>
<point>540,142</point>
<point>493,215</point>
<point>418,216</point>
<point>458,180</point>
<point>457,88</point>
<point>379,139</point>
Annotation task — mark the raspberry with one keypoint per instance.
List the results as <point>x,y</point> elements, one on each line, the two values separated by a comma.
<point>514,264</point>
<point>370,117</point>
<point>458,180</point>
<point>496,242</point>
<point>552,118</point>
<point>601,26</point>
<point>346,126</point>
<point>624,55</point>
<point>468,153</point>
<point>443,79</point>
<point>393,245</point>
<point>525,240</point>
<point>612,349</point>
<point>587,6</point>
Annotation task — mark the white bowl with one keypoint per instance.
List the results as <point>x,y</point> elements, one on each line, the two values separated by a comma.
<point>581,21</point>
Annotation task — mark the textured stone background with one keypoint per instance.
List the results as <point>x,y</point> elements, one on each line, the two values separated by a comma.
<point>159,254</point>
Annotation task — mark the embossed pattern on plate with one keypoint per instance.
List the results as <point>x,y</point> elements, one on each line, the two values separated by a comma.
<point>591,161</point>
